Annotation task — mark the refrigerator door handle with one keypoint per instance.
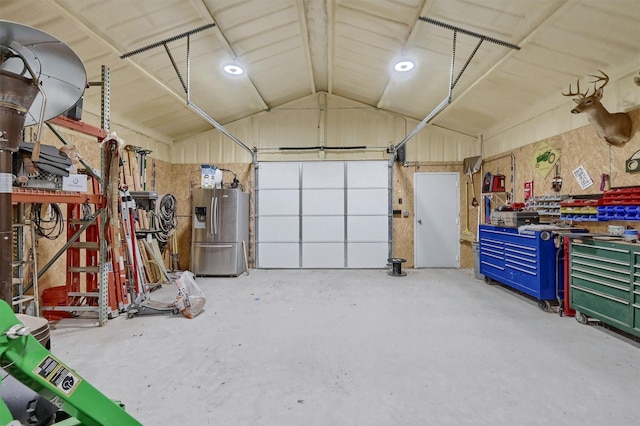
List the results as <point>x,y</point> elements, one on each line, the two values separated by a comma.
<point>213,245</point>
<point>211,213</point>
<point>215,216</point>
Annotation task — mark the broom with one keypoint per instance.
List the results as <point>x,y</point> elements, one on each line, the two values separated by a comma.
<point>466,234</point>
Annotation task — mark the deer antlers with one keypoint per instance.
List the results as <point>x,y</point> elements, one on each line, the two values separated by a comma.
<point>577,92</point>
<point>614,128</point>
<point>604,77</point>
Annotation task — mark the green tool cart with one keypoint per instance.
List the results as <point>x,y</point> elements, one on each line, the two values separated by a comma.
<point>605,282</point>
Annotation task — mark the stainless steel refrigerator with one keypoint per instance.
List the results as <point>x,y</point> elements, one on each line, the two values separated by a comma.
<point>220,225</point>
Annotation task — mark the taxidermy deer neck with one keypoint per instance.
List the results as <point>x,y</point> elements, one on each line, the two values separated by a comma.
<point>614,128</point>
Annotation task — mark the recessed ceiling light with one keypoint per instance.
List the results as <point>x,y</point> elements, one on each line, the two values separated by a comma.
<point>404,66</point>
<point>233,69</point>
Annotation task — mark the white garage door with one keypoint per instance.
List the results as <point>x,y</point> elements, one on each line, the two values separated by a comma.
<point>329,214</point>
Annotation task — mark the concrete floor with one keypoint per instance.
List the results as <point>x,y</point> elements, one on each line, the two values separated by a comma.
<point>437,347</point>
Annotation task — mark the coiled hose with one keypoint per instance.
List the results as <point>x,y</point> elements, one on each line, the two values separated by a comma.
<point>166,219</point>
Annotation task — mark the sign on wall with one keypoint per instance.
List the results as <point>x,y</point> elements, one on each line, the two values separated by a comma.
<point>528,190</point>
<point>583,178</point>
<point>544,159</point>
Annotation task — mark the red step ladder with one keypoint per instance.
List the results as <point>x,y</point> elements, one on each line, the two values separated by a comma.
<point>83,260</point>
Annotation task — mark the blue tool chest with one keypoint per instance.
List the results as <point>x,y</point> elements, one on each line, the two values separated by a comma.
<point>527,261</point>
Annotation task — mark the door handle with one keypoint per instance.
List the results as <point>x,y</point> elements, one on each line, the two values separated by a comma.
<point>211,217</point>
<point>216,219</point>
<point>420,221</point>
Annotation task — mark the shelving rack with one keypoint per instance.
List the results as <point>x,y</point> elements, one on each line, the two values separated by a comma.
<point>32,195</point>
<point>23,258</point>
<point>546,205</point>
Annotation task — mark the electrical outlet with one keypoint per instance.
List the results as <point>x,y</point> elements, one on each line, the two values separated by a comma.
<point>405,213</point>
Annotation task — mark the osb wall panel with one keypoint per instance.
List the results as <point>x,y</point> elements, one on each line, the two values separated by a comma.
<point>184,179</point>
<point>580,147</point>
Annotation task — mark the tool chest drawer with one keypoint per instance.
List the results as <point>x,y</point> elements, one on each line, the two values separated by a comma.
<point>605,282</point>
<point>524,261</point>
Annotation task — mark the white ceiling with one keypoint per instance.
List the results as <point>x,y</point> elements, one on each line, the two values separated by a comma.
<point>295,48</point>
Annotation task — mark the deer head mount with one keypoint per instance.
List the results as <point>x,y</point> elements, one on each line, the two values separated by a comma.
<point>614,128</point>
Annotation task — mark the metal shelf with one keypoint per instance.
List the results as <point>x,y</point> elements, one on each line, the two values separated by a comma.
<point>31,195</point>
<point>19,299</point>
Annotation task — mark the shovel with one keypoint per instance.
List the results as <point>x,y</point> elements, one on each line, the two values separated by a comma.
<point>474,202</point>
<point>470,166</point>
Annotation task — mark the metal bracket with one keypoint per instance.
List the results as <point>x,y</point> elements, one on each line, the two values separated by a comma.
<point>186,85</point>
<point>452,81</point>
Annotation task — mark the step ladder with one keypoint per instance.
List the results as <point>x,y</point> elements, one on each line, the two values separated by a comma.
<point>83,259</point>
<point>83,268</point>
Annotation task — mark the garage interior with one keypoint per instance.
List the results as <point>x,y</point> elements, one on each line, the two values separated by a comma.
<point>417,197</point>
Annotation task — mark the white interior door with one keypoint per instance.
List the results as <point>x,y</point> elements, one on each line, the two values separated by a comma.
<point>437,220</point>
